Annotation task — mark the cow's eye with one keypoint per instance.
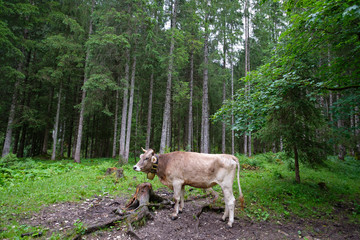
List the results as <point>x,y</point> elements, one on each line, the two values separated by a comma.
<point>146,159</point>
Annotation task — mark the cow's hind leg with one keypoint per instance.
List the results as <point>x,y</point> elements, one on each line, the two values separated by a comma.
<point>229,205</point>
<point>226,212</point>
<point>177,198</point>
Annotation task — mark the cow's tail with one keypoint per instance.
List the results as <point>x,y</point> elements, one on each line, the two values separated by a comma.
<point>241,196</point>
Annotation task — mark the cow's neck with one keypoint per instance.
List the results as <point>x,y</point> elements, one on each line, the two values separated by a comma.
<point>162,164</point>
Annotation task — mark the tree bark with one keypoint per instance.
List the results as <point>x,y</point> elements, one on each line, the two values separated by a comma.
<point>16,141</point>
<point>83,96</point>
<point>74,126</point>
<point>116,117</point>
<point>223,133</point>
<point>357,130</point>
<point>131,102</point>
<point>9,128</point>
<point>191,86</point>
<point>205,136</point>
<point>148,128</point>
<point>340,124</point>
<point>62,140</point>
<point>297,169</point>
<point>8,136</point>
<point>20,152</point>
<point>247,138</point>
<point>166,117</point>
<point>124,109</point>
<point>56,126</point>
<point>169,129</point>
<point>232,114</point>
<point>46,132</point>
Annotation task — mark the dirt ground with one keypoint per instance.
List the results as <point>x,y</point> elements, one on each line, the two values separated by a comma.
<point>62,217</point>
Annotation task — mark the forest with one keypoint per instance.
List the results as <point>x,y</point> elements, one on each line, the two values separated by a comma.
<point>100,78</point>
<point>86,84</point>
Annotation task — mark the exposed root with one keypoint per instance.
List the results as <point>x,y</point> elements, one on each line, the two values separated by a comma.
<point>206,208</point>
<point>131,233</point>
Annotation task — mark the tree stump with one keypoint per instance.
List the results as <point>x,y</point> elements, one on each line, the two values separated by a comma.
<point>119,172</point>
<point>135,210</point>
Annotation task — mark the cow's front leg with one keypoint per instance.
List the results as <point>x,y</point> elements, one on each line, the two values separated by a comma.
<point>182,199</point>
<point>177,197</point>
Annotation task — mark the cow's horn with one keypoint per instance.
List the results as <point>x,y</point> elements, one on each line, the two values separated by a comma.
<point>143,149</point>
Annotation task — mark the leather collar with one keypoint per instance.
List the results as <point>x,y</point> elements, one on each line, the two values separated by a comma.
<point>155,165</point>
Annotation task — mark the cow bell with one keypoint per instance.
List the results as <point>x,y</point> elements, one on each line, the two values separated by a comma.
<point>150,175</point>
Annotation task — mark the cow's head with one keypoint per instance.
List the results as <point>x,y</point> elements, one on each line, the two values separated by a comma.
<point>146,162</point>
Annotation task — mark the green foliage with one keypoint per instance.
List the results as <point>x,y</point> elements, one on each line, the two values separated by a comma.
<point>79,227</point>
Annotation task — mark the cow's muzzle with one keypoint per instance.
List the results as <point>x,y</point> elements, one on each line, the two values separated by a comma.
<point>136,168</point>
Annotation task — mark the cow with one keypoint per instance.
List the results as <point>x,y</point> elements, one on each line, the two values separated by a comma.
<point>200,170</point>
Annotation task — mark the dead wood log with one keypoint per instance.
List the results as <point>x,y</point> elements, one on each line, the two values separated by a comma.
<point>135,210</point>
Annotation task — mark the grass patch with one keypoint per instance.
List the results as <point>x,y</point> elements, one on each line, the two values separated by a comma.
<point>270,191</point>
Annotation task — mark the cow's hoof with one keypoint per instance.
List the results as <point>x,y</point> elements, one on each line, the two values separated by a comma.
<point>223,219</point>
<point>229,225</point>
<point>174,217</point>
<point>180,211</point>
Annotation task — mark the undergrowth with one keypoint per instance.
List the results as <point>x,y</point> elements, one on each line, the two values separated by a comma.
<point>26,185</point>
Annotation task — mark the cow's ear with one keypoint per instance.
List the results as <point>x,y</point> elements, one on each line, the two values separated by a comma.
<point>153,159</point>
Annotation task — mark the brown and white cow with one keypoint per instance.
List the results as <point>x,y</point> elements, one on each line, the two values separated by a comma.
<point>200,170</point>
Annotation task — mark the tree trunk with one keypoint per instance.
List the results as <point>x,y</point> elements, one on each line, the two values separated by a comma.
<point>165,124</point>
<point>138,107</point>
<point>340,124</point>
<point>116,117</point>
<point>20,152</point>
<point>357,130</point>
<point>223,133</point>
<point>9,128</point>
<point>8,136</point>
<point>131,102</point>
<point>169,129</point>
<point>205,136</point>
<point>125,107</point>
<point>148,128</point>
<point>232,114</point>
<point>56,126</point>
<point>62,140</point>
<point>247,138</point>
<point>83,96</point>
<point>73,129</point>
<point>46,132</point>
<point>190,125</point>
<point>245,144</point>
<point>250,145</point>
<point>16,141</point>
<point>297,169</point>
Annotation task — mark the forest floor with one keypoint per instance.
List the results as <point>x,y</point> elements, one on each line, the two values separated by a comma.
<point>61,218</point>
